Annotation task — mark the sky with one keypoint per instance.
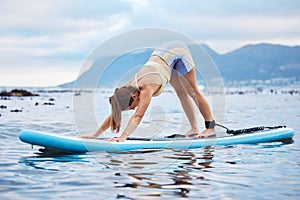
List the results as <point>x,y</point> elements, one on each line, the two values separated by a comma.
<point>44,43</point>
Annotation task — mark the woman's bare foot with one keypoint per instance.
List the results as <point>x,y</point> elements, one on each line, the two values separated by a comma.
<point>191,132</point>
<point>207,133</point>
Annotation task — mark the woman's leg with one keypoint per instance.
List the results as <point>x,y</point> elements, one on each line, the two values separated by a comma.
<point>191,87</point>
<point>186,103</point>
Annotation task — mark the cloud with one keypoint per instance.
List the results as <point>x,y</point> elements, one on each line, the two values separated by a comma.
<point>55,29</point>
<point>220,23</point>
<point>70,25</point>
<point>37,14</point>
<point>65,31</point>
<point>221,8</point>
<point>48,37</point>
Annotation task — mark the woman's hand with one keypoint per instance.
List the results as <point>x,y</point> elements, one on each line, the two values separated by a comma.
<point>88,136</point>
<point>122,138</point>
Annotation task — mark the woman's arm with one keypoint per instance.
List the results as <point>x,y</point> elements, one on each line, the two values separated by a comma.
<point>145,99</point>
<point>105,125</point>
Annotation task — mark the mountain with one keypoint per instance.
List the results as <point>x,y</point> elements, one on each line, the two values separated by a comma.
<point>108,71</point>
<point>250,62</point>
<point>259,62</point>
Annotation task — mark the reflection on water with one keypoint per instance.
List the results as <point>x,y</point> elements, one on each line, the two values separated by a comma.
<point>166,172</point>
<point>174,177</point>
<point>181,180</point>
<point>53,156</point>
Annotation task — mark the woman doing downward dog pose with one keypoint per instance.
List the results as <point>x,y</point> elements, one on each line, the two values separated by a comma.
<point>170,62</point>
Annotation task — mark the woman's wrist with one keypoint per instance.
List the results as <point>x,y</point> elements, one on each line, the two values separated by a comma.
<point>124,135</point>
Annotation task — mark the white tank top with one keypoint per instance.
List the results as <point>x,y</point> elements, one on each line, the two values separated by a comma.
<point>162,71</point>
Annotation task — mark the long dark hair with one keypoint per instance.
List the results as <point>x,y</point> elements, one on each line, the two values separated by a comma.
<point>120,101</point>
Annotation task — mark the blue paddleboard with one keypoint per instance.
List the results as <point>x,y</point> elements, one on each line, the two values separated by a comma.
<point>75,144</point>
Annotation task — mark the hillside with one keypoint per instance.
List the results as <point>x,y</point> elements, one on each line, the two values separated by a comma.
<point>260,62</point>
<point>250,62</point>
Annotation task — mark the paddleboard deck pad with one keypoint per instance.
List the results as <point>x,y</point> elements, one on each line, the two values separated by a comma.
<point>76,144</point>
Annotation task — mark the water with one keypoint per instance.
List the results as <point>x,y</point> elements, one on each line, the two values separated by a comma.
<point>261,171</point>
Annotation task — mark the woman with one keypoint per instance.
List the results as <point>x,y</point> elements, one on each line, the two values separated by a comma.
<point>171,62</point>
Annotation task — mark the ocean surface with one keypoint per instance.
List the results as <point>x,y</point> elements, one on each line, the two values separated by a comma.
<point>260,171</point>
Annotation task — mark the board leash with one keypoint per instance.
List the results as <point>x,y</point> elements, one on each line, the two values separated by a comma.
<point>247,130</point>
